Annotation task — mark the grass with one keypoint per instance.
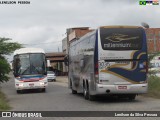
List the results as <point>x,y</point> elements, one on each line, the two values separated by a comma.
<point>153,87</point>
<point>3,102</point>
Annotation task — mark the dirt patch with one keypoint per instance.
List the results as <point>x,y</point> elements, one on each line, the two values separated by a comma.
<point>63,79</point>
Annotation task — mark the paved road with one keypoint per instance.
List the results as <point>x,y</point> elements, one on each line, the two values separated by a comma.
<point>59,98</point>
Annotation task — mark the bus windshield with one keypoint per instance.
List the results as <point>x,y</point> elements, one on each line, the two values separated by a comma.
<point>121,38</point>
<point>29,64</point>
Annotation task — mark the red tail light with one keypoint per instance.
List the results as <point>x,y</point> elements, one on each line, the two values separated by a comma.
<point>96,73</point>
<point>96,68</point>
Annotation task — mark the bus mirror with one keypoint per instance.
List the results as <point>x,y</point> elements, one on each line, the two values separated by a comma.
<point>82,63</point>
<point>45,73</point>
<point>15,75</point>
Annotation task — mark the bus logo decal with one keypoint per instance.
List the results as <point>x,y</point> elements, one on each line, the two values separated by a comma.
<point>120,37</point>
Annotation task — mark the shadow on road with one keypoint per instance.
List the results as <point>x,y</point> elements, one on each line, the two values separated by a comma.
<point>30,91</point>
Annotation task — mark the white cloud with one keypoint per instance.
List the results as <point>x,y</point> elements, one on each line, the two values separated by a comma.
<point>46,21</point>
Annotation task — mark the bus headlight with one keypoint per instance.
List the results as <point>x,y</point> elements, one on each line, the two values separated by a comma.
<point>42,83</point>
<point>21,85</point>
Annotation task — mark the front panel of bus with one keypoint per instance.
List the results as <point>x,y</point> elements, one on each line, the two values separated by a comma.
<point>30,71</point>
<point>122,59</point>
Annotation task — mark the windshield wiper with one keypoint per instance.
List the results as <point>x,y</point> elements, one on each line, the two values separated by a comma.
<point>36,69</point>
<point>31,70</point>
<point>24,70</point>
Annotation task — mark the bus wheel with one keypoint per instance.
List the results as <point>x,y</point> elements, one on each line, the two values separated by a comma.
<point>43,89</point>
<point>73,91</point>
<point>85,92</point>
<point>91,97</point>
<point>132,97</point>
<point>19,91</point>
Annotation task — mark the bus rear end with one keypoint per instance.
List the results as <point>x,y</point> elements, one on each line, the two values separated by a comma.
<point>122,61</point>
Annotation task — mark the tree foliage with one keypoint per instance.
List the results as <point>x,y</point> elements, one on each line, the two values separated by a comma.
<point>4,69</point>
<point>150,58</point>
<point>6,48</point>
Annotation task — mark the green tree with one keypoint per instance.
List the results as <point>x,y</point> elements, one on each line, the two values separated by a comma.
<point>150,58</point>
<point>6,48</point>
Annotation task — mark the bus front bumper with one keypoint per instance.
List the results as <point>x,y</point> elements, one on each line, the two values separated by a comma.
<point>30,85</point>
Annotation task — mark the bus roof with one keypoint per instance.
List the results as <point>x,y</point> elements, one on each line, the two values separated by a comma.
<point>28,50</point>
<point>121,26</point>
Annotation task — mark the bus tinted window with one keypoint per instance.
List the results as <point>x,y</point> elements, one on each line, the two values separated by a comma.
<point>121,38</point>
<point>28,64</point>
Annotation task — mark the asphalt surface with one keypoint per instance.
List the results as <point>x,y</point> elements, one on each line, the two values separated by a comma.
<point>59,98</point>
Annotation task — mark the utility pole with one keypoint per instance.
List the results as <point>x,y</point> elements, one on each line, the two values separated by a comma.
<point>58,49</point>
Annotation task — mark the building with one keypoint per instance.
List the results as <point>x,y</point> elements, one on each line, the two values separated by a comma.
<point>72,35</point>
<point>153,39</point>
<point>57,60</point>
<point>76,33</point>
<point>64,45</point>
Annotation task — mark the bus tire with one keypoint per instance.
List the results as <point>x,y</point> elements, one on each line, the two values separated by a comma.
<point>85,92</point>
<point>19,91</point>
<point>43,89</point>
<point>132,97</point>
<point>91,97</point>
<point>73,91</point>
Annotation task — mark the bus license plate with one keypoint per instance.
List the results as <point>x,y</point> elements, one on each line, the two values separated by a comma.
<point>31,84</point>
<point>122,87</point>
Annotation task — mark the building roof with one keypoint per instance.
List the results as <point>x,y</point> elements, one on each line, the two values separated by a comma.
<point>55,56</point>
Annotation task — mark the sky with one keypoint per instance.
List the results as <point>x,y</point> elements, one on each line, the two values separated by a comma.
<point>43,23</point>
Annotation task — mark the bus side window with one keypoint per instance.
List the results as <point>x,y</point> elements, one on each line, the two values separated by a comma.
<point>82,63</point>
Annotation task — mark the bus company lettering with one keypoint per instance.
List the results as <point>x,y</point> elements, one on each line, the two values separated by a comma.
<point>114,45</point>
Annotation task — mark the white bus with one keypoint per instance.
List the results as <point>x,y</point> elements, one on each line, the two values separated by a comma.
<point>29,66</point>
<point>111,60</point>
